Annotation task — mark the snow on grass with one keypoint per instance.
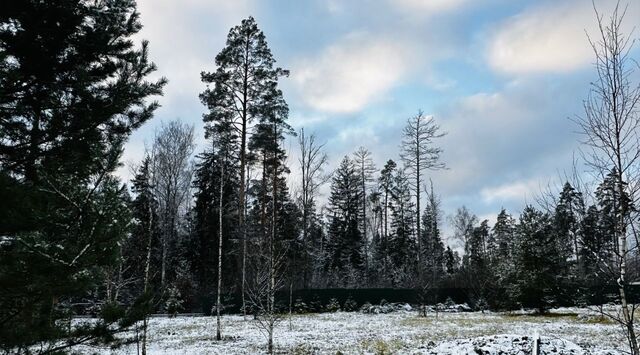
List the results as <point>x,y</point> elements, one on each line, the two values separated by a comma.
<point>507,344</point>
<point>568,331</point>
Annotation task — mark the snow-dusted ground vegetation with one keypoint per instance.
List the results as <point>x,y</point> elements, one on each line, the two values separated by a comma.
<point>562,331</point>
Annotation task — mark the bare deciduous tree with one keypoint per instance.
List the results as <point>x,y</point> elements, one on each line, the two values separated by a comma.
<point>610,125</point>
<point>312,163</point>
<point>269,264</point>
<point>463,222</point>
<point>171,154</point>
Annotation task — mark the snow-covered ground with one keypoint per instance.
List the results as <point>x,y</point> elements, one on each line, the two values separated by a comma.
<point>564,331</point>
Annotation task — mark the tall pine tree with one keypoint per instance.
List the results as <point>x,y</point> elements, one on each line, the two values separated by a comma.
<point>240,90</point>
<point>72,88</point>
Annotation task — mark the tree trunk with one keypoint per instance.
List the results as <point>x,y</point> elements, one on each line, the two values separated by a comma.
<point>420,280</point>
<point>364,221</point>
<point>243,163</point>
<point>304,233</point>
<point>272,239</point>
<point>622,247</point>
<point>147,268</point>
<point>218,302</point>
<point>386,231</point>
<point>163,267</point>
<point>290,303</point>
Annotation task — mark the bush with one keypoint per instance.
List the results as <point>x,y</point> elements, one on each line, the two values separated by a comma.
<point>366,308</point>
<point>449,302</point>
<point>333,306</point>
<point>281,307</point>
<point>481,304</point>
<point>111,312</point>
<point>316,305</point>
<point>350,305</point>
<point>300,307</point>
<point>386,307</point>
<point>248,308</point>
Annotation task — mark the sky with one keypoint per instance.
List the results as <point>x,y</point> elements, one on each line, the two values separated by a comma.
<point>501,77</point>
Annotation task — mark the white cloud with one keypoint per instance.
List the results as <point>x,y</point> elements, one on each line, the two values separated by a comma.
<point>348,75</point>
<point>438,81</point>
<point>503,146</point>
<point>429,6</point>
<point>518,191</point>
<point>185,36</point>
<point>548,38</point>
<point>301,120</point>
<point>491,217</point>
<point>356,135</point>
<point>500,118</point>
<point>334,6</point>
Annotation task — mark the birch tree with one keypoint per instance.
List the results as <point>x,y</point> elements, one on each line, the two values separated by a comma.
<point>225,138</point>
<point>609,127</point>
<point>273,203</point>
<point>172,151</point>
<point>312,163</point>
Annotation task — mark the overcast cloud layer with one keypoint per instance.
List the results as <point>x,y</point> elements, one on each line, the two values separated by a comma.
<point>502,77</point>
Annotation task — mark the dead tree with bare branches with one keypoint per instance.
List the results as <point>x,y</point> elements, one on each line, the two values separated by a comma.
<point>420,154</point>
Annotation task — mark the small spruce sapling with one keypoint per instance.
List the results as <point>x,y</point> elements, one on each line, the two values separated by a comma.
<point>350,305</point>
<point>174,302</point>
<point>333,306</point>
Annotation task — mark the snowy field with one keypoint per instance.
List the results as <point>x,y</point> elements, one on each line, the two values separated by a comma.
<point>564,331</point>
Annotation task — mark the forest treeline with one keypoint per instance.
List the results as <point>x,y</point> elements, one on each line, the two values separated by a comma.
<point>194,228</point>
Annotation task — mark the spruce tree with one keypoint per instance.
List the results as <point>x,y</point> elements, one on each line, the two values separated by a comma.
<point>144,210</point>
<point>480,280</point>
<point>502,252</point>
<point>206,213</point>
<point>613,205</point>
<point>433,249</point>
<point>402,243</point>
<point>537,262</point>
<point>503,236</point>
<point>597,247</point>
<point>365,169</point>
<point>568,213</point>
<point>345,245</point>
<point>451,261</point>
<point>144,240</point>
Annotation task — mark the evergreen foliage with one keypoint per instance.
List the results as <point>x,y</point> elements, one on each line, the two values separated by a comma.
<point>73,86</point>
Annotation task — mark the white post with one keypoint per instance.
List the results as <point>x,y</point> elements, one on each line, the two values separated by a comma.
<point>536,344</point>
